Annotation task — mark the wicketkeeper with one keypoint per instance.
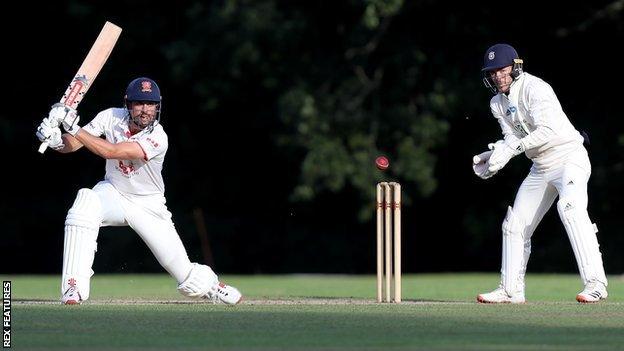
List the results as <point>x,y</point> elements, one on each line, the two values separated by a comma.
<point>131,194</point>
<point>533,123</point>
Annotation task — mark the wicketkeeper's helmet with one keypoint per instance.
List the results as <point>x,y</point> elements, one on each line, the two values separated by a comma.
<point>499,56</point>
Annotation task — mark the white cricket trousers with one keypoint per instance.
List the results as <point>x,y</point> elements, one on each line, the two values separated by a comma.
<point>149,217</point>
<point>535,196</point>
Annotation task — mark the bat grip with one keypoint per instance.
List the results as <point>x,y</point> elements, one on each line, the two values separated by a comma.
<point>43,147</point>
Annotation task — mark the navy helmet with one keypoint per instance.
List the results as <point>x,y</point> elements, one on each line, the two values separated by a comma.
<point>499,56</point>
<point>144,89</point>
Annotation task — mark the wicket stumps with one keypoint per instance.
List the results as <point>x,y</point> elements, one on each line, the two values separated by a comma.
<point>388,241</point>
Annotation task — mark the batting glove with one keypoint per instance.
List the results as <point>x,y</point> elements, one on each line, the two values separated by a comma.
<point>51,135</point>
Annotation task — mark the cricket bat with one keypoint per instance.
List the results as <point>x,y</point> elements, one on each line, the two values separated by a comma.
<point>89,69</point>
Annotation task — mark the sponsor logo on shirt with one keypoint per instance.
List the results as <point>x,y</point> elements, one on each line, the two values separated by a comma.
<point>125,167</point>
<point>517,125</point>
<point>152,142</point>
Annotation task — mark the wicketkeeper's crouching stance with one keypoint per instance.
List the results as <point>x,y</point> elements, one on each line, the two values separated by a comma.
<point>533,122</point>
<point>131,194</point>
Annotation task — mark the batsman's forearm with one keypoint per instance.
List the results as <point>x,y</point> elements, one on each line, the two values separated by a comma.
<point>127,150</point>
<point>71,144</point>
<point>98,146</point>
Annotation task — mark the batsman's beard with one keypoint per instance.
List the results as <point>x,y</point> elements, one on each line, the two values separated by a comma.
<point>143,120</point>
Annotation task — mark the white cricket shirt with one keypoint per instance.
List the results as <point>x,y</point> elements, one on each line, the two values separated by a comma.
<point>531,112</point>
<point>132,177</point>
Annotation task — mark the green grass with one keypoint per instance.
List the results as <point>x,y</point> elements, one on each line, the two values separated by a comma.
<point>321,317</point>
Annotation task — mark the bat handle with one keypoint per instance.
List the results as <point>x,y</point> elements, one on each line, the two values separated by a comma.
<point>43,147</point>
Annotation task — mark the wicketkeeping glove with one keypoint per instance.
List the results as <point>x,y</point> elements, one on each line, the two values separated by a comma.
<point>480,165</point>
<point>503,153</point>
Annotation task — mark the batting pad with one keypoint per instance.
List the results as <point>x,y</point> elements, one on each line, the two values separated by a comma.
<point>582,234</point>
<point>513,252</point>
<point>81,231</point>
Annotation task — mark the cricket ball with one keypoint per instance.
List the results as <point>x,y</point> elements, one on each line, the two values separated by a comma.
<point>382,163</point>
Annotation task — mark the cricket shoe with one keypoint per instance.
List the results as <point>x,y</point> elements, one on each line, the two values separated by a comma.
<point>593,292</point>
<point>71,297</point>
<point>500,296</point>
<point>221,292</point>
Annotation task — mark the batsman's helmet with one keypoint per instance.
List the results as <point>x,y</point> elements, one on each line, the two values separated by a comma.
<point>144,89</point>
<point>499,56</point>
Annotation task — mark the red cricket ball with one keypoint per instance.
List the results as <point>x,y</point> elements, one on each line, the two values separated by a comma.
<point>382,163</point>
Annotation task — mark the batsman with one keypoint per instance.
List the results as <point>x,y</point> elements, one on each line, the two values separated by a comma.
<point>533,123</point>
<point>131,194</point>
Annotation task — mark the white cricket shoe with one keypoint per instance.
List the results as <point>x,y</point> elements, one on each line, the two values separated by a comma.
<point>500,296</point>
<point>71,297</point>
<point>221,292</point>
<point>593,292</point>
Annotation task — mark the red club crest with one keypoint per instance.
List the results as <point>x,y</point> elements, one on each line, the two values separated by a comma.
<point>146,86</point>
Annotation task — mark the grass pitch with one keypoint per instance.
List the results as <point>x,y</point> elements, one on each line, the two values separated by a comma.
<point>323,312</point>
